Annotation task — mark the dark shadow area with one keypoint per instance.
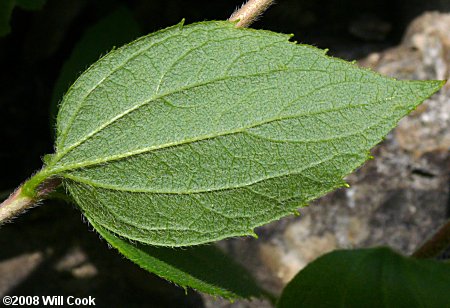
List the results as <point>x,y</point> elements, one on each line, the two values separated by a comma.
<point>73,260</point>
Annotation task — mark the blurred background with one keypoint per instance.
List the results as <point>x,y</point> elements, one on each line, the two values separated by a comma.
<point>396,200</point>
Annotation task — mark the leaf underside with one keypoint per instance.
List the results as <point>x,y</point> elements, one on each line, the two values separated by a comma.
<point>369,278</point>
<point>197,133</point>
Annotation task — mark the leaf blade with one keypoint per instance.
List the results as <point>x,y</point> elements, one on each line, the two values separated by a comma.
<point>228,130</point>
<point>375,277</point>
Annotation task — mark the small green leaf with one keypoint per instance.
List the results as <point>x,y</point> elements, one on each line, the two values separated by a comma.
<point>369,278</point>
<point>6,8</point>
<point>114,30</point>
<point>204,268</point>
<point>31,5</point>
<point>201,132</point>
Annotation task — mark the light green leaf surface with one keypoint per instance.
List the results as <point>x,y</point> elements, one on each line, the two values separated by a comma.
<point>369,278</point>
<point>203,268</point>
<point>197,133</point>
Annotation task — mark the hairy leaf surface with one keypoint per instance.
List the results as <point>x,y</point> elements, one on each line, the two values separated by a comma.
<point>369,278</point>
<point>203,268</point>
<point>201,132</point>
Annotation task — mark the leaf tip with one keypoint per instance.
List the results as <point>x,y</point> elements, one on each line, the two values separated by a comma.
<point>436,84</point>
<point>442,82</point>
<point>426,88</point>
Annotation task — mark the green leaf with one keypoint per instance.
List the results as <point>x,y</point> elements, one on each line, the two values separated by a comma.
<point>204,268</point>
<point>197,133</point>
<point>369,278</point>
<point>114,30</point>
<point>6,8</point>
<point>32,5</point>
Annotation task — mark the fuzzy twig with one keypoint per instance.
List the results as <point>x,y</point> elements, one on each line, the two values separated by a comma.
<point>15,204</point>
<point>250,12</point>
<point>20,200</point>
